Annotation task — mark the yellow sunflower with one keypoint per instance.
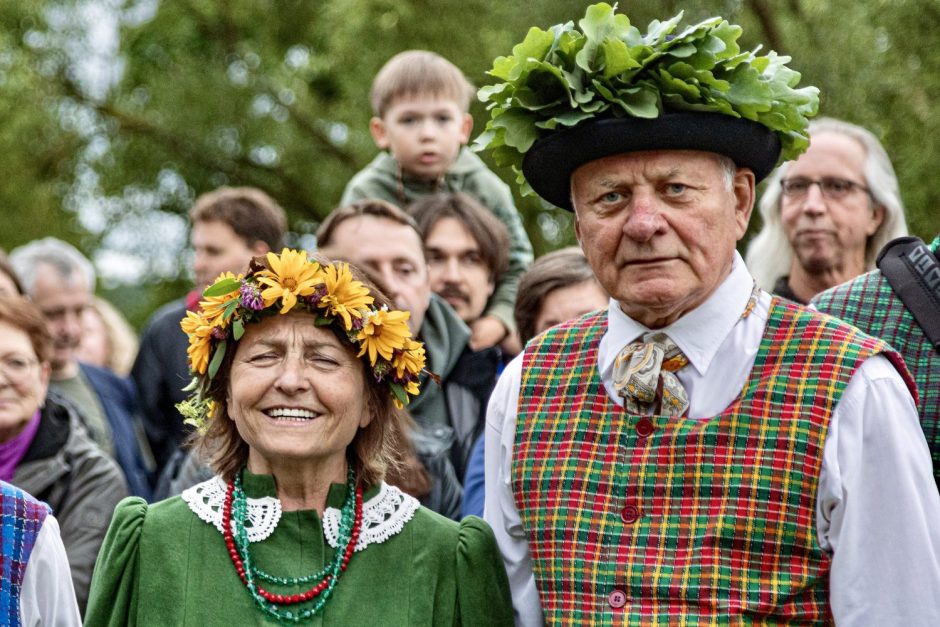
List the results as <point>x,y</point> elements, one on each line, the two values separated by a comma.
<point>411,360</point>
<point>213,307</point>
<point>199,331</point>
<point>345,297</point>
<point>383,333</point>
<point>291,275</point>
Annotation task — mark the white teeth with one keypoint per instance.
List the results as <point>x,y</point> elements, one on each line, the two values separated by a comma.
<point>284,413</point>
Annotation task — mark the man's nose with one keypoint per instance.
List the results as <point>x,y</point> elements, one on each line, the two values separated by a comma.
<point>644,218</point>
<point>72,324</point>
<point>815,201</point>
<point>451,270</point>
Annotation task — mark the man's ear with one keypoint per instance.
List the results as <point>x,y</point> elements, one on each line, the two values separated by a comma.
<point>743,187</point>
<point>877,219</point>
<point>259,248</point>
<point>466,125</point>
<point>377,128</point>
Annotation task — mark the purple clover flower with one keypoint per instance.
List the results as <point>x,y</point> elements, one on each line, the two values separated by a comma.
<point>219,333</point>
<point>314,299</point>
<point>251,297</point>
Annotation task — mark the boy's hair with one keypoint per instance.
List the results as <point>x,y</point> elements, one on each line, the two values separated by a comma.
<point>366,207</point>
<point>419,73</point>
<point>252,214</point>
<point>489,233</point>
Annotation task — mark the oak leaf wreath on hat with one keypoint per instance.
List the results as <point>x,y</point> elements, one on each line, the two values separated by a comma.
<point>658,90</point>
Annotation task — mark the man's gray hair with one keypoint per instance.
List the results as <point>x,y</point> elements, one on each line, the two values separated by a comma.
<point>769,255</point>
<point>62,256</point>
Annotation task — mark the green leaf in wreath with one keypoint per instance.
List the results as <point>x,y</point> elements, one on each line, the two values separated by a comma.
<point>221,288</point>
<point>217,358</point>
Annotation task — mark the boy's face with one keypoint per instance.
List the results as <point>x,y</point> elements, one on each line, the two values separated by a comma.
<point>424,133</point>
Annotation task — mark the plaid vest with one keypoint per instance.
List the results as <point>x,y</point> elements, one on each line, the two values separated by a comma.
<point>21,517</point>
<point>869,303</point>
<point>655,520</point>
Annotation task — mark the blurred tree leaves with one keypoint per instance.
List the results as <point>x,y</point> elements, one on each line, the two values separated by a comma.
<point>274,93</point>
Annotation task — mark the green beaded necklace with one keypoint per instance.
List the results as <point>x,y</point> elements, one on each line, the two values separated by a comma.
<point>234,514</point>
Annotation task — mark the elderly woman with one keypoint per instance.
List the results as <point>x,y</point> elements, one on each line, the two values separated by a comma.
<point>43,448</point>
<point>300,371</point>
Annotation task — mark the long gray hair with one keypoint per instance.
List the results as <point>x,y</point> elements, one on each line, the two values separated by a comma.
<point>769,254</point>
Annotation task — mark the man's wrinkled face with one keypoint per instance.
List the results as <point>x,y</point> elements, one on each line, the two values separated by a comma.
<point>62,300</point>
<point>458,272</point>
<point>830,233</point>
<point>393,253</point>
<point>659,228</point>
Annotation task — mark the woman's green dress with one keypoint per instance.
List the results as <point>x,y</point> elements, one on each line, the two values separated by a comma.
<point>164,565</point>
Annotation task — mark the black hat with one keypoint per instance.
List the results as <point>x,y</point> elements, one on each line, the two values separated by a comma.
<point>550,162</point>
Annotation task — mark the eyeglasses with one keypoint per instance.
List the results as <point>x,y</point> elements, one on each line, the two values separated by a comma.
<point>16,367</point>
<point>831,187</point>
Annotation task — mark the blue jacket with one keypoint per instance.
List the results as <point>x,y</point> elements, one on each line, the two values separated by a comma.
<point>119,399</point>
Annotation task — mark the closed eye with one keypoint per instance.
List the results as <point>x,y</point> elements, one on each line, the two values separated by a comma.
<point>263,358</point>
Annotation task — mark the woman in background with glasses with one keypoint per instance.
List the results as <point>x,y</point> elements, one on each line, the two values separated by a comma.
<point>45,451</point>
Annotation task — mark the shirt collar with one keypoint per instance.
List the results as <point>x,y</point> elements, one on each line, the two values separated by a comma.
<point>698,333</point>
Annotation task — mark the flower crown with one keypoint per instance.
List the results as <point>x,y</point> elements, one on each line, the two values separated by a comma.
<point>292,282</point>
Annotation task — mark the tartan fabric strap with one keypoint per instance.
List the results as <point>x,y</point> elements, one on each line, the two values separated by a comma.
<point>643,376</point>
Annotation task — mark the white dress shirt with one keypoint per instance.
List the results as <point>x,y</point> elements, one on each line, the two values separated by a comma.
<point>877,509</point>
<point>47,596</point>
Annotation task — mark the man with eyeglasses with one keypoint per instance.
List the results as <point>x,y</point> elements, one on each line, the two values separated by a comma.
<point>827,214</point>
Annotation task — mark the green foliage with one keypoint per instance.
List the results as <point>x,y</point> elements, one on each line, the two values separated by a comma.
<point>607,67</point>
<point>274,93</point>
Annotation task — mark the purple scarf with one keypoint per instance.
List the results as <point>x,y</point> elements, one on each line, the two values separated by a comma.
<point>12,451</point>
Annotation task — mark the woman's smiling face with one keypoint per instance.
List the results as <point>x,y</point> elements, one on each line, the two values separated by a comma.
<point>23,381</point>
<point>296,394</point>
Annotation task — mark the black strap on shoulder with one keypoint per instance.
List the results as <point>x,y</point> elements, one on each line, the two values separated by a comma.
<point>914,275</point>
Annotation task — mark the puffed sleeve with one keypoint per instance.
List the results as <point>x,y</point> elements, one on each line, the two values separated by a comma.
<point>113,596</point>
<point>482,587</point>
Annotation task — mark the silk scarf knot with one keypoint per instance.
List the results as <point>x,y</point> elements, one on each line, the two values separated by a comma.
<point>644,376</point>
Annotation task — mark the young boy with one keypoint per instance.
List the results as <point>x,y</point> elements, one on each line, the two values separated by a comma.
<point>420,103</point>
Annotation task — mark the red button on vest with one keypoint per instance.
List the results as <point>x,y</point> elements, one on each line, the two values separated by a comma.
<point>617,599</point>
<point>629,514</point>
<point>644,427</point>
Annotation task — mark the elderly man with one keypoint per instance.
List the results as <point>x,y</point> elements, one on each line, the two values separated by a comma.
<point>383,240</point>
<point>701,452</point>
<point>61,281</point>
<point>827,214</point>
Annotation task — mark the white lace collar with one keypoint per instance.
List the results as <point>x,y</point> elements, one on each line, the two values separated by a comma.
<point>383,516</point>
